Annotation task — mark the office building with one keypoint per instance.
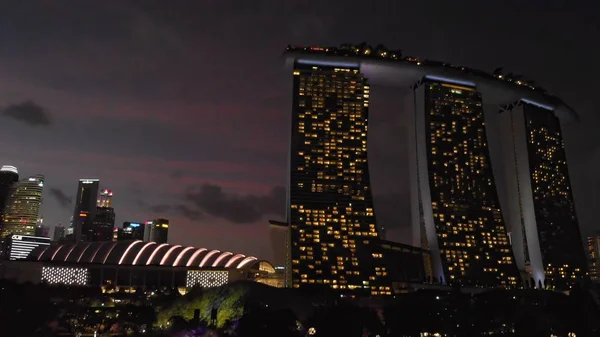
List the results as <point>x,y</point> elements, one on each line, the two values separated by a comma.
<point>23,207</point>
<point>331,213</point>
<point>593,255</point>
<point>18,247</point>
<point>85,209</point>
<point>157,231</point>
<point>103,224</point>
<point>41,229</point>
<point>59,233</point>
<point>130,231</point>
<point>455,203</point>
<point>8,177</point>
<point>105,199</point>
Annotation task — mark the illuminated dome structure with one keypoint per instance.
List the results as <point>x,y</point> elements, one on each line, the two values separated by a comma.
<point>138,264</point>
<point>139,253</point>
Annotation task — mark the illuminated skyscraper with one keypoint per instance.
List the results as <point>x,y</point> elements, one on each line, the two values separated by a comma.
<point>103,224</point>
<point>157,231</point>
<point>85,209</point>
<point>131,231</point>
<point>105,199</point>
<point>8,177</point>
<point>593,255</point>
<point>41,230</point>
<point>23,207</point>
<point>545,231</point>
<point>482,226</point>
<point>59,232</point>
<point>454,197</point>
<point>330,203</point>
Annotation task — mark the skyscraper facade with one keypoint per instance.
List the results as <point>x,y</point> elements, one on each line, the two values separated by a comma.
<point>42,231</point>
<point>85,209</point>
<point>593,255</point>
<point>8,177</point>
<point>157,231</point>
<point>131,231</point>
<point>59,233</point>
<point>331,213</point>
<point>105,199</point>
<point>103,224</point>
<point>23,207</point>
<point>557,224</point>
<point>546,236</point>
<point>455,204</point>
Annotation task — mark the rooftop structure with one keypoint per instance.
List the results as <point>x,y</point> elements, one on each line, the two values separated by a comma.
<point>140,253</point>
<point>391,67</point>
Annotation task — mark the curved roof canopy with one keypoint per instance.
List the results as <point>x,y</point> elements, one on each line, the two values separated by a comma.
<point>142,253</point>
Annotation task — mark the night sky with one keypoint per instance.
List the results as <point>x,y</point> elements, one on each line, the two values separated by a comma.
<point>181,107</point>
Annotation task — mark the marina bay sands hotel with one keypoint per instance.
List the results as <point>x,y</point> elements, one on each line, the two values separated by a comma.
<point>491,199</point>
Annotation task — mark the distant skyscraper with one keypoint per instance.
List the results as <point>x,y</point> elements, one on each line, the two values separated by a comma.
<point>59,232</point>
<point>455,206</point>
<point>42,230</point>
<point>105,199</point>
<point>157,231</point>
<point>593,255</point>
<point>85,209</point>
<point>23,207</point>
<point>330,206</point>
<point>103,224</point>
<point>8,177</point>
<point>131,231</point>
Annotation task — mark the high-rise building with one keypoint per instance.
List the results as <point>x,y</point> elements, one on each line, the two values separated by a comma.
<point>330,203</point>
<point>539,198</point>
<point>42,230</point>
<point>23,207</point>
<point>157,231</point>
<point>482,226</point>
<point>455,206</point>
<point>85,209</point>
<point>131,231</point>
<point>105,199</point>
<point>59,233</point>
<point>103,224</point>
<point>8,177</point>
<point>593,255</point>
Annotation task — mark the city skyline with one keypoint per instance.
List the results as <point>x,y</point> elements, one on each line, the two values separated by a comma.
<point>250,156</point>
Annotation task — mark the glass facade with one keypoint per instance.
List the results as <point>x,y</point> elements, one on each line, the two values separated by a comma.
<point>23,207</point>
<point>85,209</point>
<point>331,208</point>
<point>470,230</point>
<point>104,224</point>
<point>8,177</point>
<point>558,229</point>
<point>593,248</point>
<point>157,231</point>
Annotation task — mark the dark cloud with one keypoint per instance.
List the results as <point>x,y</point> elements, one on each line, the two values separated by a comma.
<point>176,174</point>
<point>239,209</point>
<point>160,208</point>
<point>188,212</point>
<point>60,196</point>
<point>28,112</point>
